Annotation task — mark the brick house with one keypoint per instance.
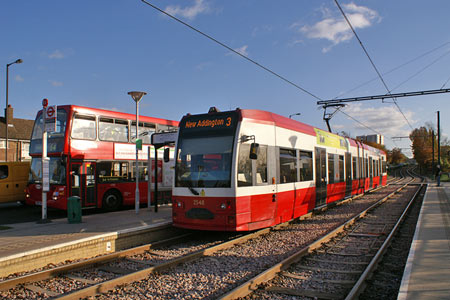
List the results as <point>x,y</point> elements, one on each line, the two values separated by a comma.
<point>19,135</point>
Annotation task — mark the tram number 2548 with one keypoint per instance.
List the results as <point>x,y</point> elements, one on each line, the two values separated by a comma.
<point>199,202</point>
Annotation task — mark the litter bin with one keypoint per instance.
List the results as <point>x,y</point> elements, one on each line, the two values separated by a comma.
<point>74,209</point>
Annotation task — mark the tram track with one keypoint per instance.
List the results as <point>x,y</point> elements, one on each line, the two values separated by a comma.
<point>146,265</point>
<point>338,265</point>
<point>216,272</point>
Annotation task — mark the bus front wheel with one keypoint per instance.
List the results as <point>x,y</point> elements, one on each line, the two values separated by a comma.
<point>112,200</point>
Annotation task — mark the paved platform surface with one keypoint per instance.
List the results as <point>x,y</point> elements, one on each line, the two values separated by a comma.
<point>427,273</point>
<point>26,237</point>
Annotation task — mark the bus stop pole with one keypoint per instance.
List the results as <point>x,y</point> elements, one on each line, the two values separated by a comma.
<point>149,179</point>
<point>44,164</point>
<point>44,171</point>
<point>156,179</point>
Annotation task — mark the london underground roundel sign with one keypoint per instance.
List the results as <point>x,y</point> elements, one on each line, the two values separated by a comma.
<point>50,112</point>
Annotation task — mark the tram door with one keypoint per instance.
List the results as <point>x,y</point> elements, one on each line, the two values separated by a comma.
<point>371,171</point>
<point>380,170</point>
<point>83,182</point>
<point>321,176</point>
<point>348,174</point>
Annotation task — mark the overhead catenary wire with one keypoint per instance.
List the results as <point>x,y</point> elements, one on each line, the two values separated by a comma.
<point>232,50</point>
<point>421,70</point>
<point>371,61</point>
<point>357,121</point>
<point>395,69</point>
<point>244,56</point>
<point>445,83</point>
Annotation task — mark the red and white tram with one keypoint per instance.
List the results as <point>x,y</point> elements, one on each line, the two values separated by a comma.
<point>247,169</point>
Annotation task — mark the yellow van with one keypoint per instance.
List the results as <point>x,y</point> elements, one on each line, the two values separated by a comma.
<point>13,181</point>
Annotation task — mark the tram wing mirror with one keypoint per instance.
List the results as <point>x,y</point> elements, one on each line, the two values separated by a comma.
<point>254,147</point>
<point>166,154</point>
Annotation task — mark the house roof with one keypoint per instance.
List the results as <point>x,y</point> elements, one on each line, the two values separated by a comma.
<point>19,129</point>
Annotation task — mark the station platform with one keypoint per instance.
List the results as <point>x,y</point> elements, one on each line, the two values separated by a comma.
<point>427,272</point>
<point>29,246</point>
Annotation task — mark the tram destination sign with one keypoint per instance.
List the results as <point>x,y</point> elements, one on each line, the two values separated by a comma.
<point>209,122</point>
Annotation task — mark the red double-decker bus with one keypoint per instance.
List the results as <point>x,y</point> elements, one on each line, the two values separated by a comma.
<point>93,155</point>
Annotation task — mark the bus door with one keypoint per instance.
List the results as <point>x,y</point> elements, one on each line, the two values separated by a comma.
<point>83,182</point>
<point>348,174</point>
<point>321,176</point>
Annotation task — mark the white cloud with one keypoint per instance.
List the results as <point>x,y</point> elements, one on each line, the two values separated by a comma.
<point>57,54</point>
<point>55,83</point>
<point>189,12</point>
<point>335,29</point>
<point>203,65</point>
<point>19,78</point>
<point>386,120</point>
<point>259,30</point>
<point>242,50</point>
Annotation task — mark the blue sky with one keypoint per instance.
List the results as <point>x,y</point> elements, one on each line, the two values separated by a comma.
<point>92,53</point>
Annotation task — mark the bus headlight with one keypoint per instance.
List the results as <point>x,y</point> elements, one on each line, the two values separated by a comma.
<point>55,196</point>
<point>223,206</point>
<point>179,204</point>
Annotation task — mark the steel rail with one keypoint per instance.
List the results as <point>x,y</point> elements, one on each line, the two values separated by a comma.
<point>249,286</point>
<point>359,286</point>
<point>141,274</point>
<point>46,274</point>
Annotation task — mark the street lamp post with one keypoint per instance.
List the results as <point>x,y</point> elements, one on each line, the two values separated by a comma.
<point>19,61</point>
<point>296,114</point>
<point>137,96</point>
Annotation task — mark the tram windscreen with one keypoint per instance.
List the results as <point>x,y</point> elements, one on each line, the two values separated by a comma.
<point>204,162</point>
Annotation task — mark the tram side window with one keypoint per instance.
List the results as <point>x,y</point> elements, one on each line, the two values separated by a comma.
<point>306,166</point>
<point>384,166</point>
<point>354,174</point>
<point>244,174</point>
<point>110,171</point>
<point>330,168</point>
<point>113,130</point>
<point>261,165</point>
<point>341,168</point>
<point>360,168</point>
<point>366,167</point>
<point>288,165</point>
<point>83,127</point>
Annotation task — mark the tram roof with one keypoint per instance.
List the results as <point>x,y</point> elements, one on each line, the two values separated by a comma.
<point>266,117</point>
